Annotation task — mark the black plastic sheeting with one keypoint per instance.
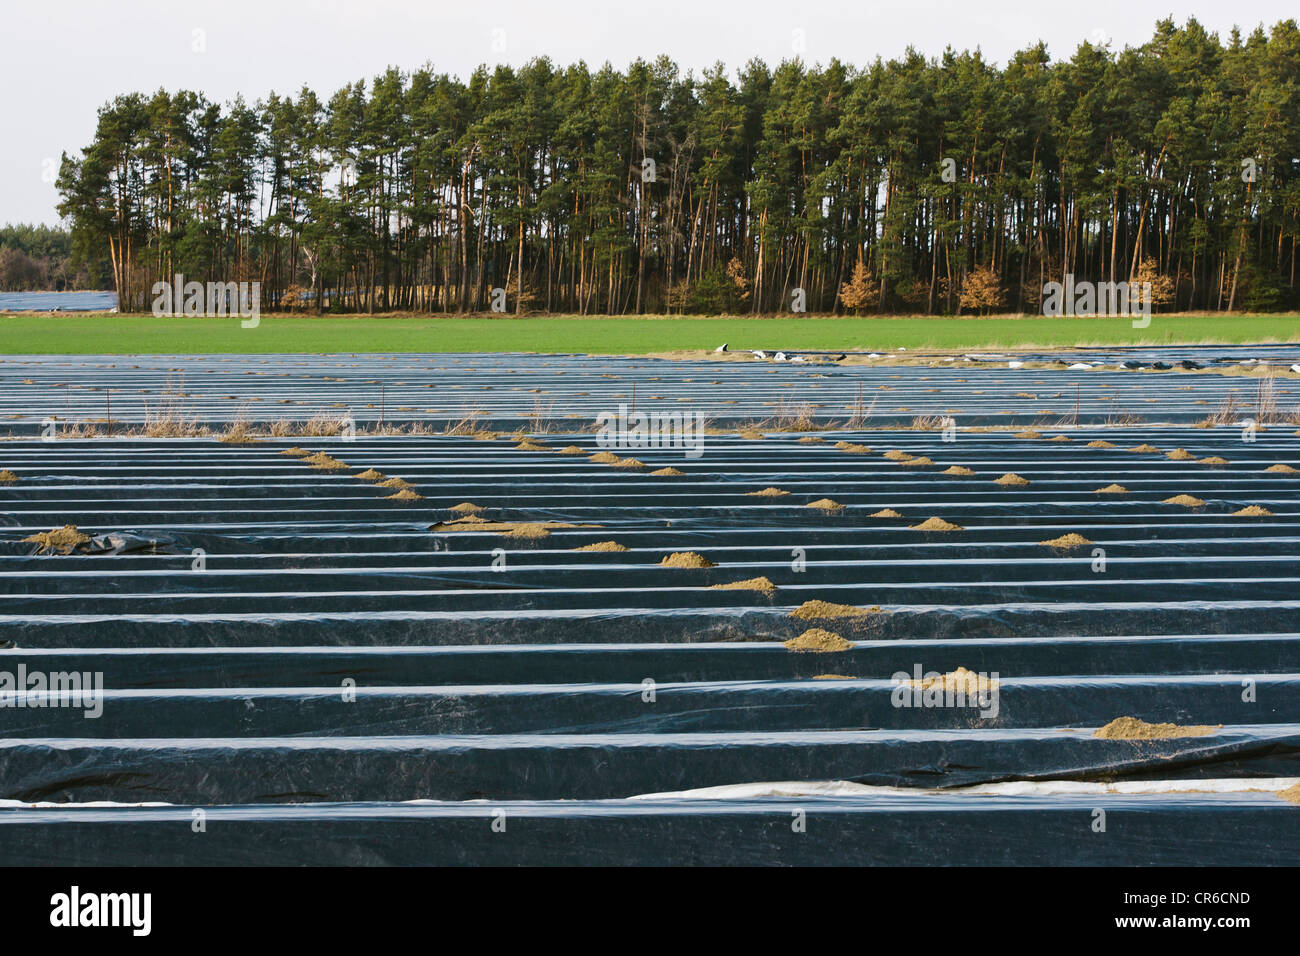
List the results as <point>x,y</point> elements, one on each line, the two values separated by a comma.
<point>334,656</point>
<point>1185,829</point>
<point>519,390</point>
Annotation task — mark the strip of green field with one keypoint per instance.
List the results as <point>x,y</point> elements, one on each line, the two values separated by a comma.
<point>145,335</point>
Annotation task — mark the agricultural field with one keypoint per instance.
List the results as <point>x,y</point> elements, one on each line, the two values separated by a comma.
<point>84,333</point>
<point>363,608</point>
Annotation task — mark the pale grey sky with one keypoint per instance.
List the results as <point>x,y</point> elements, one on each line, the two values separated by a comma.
<point>64,58</point>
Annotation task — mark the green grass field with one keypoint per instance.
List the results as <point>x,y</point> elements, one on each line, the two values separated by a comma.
<point>142,335</point>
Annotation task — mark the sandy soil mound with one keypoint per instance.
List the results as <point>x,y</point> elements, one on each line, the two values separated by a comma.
<point>885,513</point>
<point>825,610</point>
<point>1179,454</point>
<point>1112,489</point>
<point>1130,728</point>
<point>667,473</point>
<point>7,477</point>
<point>957,470</point>
<point>570,450</point>
<point>62,540</point>
<point>603,546</point>
<point>1011,479</point>
<point>749,584</point>
<point>937,524</point>
<point>371,475</point>
<point>686,559</point>
<point>603,458</point>
<point>817,641</point>
<point>406,494</point>
<point>396,483</point>
<point>1101,443</point>
<point>295,452</point>
<point>1253,511</point>
<point>475,523</point>
<point>896,455</point>
<point>1213,460</point>
<point>466,508</point>
<point>1029,433</point>
<point>1187,501</point>
<point>825,504</point>
<point>959,680</point>
<point>851,448</point>
<point>922,460</point>
<point>768,492</point>
<point>1067,541</point>
<point>1145,449</point>
<point>1282,469</point>
<point>323,462</point>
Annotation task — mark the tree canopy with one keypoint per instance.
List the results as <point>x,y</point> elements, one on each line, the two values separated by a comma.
<point>653,190</point>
